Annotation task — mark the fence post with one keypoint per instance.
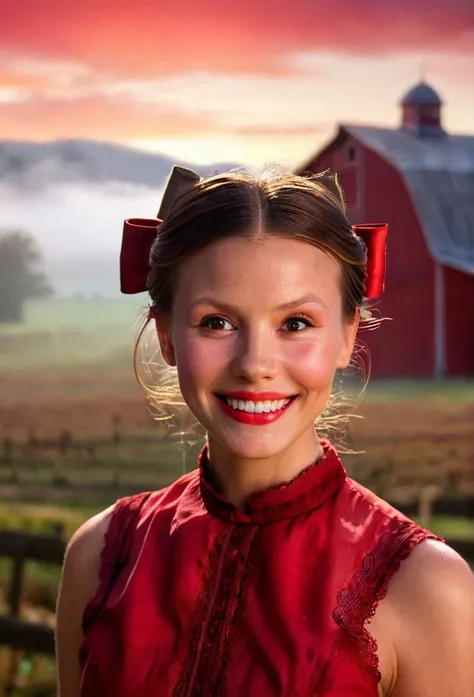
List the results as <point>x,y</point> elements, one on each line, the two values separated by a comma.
<point>8,459</point>
<point>426,500</point>
<point>116,439</point>
<point>14,605</point>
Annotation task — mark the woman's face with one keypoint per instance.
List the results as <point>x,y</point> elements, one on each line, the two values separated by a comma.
<point>257,333</point>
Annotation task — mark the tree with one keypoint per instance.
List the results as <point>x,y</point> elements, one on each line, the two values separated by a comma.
<point>21,278</point>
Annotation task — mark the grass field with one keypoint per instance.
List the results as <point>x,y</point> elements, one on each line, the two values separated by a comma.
<point>69,332</point>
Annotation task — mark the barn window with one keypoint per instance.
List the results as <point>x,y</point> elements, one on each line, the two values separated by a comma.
<point>352,153</point>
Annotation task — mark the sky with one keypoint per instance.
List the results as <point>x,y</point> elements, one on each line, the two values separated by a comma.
<point>254,82</point>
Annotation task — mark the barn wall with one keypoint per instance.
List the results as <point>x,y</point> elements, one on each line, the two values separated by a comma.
<point>459,322</point>
<point>403,346</point>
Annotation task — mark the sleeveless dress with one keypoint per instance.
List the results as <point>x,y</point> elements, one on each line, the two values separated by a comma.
<point>199,599</point>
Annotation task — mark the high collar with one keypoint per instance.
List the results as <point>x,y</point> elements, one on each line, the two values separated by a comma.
<point>309,490</point>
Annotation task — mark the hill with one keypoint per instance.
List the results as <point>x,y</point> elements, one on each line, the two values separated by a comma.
<point>73,195</point>
<point>39,165</point>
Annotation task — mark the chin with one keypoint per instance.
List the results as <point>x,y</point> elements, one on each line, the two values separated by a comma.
<point>253,451</point>
<point>251,447</point>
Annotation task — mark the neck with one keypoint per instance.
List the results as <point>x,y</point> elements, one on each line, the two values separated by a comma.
<point>238,477</point>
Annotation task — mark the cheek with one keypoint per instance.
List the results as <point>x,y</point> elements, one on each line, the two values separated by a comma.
<point>313,363</point>
<point>199,362</point>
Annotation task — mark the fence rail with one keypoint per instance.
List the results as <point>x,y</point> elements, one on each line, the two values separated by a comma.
<point>16,633</point>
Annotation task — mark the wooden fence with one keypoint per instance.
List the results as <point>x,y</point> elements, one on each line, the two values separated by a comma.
<point>20,636</point>
<point>110,462</point>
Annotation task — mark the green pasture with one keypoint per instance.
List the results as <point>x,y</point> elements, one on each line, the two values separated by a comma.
<point>70,333</point>
<point>383,391</point>
<point>76,314</point>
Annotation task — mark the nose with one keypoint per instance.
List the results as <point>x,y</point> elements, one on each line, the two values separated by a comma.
<point>255,359</point>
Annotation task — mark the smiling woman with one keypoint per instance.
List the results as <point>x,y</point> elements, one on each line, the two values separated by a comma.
<point>257,574</point>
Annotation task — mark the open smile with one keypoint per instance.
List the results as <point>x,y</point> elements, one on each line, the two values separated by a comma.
<point>255,412</point>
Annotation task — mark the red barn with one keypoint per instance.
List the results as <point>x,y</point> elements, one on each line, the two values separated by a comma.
<point>420,180</point>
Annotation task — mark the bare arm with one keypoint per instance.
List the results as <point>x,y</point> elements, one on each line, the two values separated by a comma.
<point>79,580</point>
<point>433,594</point>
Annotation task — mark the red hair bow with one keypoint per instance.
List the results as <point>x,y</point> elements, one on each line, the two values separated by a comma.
<point>139,235</point>
<point>374,236</point>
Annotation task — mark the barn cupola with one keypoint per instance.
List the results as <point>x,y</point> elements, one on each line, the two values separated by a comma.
<point>421,112</point>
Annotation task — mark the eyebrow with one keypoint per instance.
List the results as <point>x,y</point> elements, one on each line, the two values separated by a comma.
<point>291,305</point>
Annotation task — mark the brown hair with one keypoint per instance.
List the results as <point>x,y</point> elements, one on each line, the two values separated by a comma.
<point>240,204</point>
<point>235,204</point>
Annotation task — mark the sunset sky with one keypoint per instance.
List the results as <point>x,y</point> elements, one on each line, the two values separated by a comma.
<point>252,81</point>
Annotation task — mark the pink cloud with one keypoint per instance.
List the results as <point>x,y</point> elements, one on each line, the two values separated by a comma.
<point>152,39</point>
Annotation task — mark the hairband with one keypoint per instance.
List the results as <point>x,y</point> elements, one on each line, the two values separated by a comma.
<point>140,233</point>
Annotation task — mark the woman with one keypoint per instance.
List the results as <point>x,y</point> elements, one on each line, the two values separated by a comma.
<point>257,574</point>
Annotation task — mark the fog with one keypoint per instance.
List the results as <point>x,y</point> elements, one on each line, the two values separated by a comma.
<point>78,228</point>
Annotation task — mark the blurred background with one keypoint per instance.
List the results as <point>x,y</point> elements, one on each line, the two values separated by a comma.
<point>97,102</point>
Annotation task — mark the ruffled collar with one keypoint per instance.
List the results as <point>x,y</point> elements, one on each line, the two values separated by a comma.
<point>309,490</point>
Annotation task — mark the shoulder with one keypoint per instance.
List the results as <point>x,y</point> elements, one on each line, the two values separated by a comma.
<point>82,560</point>
<point>433,576</point>
<point>84,552</point>
<point>113,529</point>
<point>432,597</point>
<point>79,581</point>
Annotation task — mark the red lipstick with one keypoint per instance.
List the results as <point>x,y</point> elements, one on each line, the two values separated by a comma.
<point>255,396</point>
<point>254,419</point>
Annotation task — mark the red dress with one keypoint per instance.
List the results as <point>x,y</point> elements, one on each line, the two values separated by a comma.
<point>198,599</point>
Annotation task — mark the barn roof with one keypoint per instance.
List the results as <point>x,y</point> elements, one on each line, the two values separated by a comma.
<point>421,94</point>
<point>439,173</point>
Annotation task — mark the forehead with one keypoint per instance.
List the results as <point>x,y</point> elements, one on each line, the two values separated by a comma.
<point>269,267</point>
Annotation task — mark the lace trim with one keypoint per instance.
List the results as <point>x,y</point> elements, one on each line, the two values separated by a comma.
<point>358,602</point>
<point>216,611</point>
<point>315,496</point>
<point>305,492</point>
<point>231,605</point>
<point>117,542</point>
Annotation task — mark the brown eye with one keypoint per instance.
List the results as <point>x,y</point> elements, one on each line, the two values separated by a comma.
<point>218,324</point>
<point>296,324</point>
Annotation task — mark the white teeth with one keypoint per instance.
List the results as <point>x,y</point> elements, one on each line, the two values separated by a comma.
<point>257,407</point>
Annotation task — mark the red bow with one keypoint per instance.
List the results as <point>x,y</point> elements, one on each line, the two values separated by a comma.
<point>140,233</point>
<point>374,236</point>
<point>137,240</point>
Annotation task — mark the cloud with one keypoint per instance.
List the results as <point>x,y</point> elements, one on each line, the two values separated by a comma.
<point>96,116</point>
<point>244,76</point>
<point>248,37</point>
<point>196,105</point>
<point>284,130</point>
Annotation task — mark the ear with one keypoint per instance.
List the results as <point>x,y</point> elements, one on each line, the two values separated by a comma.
<point>348,337</point>
<point>164,337</point>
